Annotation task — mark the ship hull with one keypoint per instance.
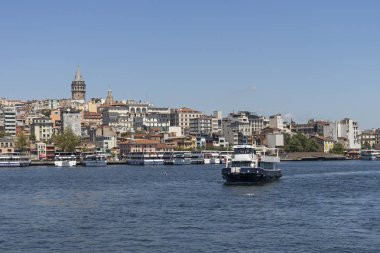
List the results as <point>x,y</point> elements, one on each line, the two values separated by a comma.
<point>250,175</point>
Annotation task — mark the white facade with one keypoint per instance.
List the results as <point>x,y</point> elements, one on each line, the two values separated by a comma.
<point>41,150</point>
<point>176,131</point>
<point>118,117</point>
<point>218,115</point>
<point>276,121</point>
<point>42,128</point>
<point>275,140</point>
<point>10,120</point>
<point>105,143</point>
<point>220,142</point>
<point>204,125</point>
<point>347,129</point>
<point>155,117</point>
<point>258,123</point>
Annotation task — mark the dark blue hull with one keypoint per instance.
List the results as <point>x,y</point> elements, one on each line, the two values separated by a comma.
<point>250,175</point>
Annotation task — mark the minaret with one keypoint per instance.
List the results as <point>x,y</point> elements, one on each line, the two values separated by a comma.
<point>78,88</point>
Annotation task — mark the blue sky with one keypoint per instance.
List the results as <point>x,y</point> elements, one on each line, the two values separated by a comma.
<point>308,59</point>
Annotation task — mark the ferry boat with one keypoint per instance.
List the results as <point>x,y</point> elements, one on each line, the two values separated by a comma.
<point>140,158</point>
<point>211,158</point>
<point>168,158</point>
<point>182,158</point>
<point>98,159</point>
<point>369,154</point>
<point>65,160</point>
<point>250,166</point>
<point>14,160</point>
<point>197,158</point>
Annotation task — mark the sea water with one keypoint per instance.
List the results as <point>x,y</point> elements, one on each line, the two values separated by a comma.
<point>315,207</point>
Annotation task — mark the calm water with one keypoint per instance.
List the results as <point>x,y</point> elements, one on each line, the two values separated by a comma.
<point>315,207</point>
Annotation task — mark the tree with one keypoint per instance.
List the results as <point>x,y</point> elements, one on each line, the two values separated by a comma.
<point>22,142</point>
<point>294,145</point>
<point>338,149</point>
<point>46,113</point>
<point>32,137</point>
<point>300,143</point>
<point>67,141</point>
<point>312,146</point>
<point>3,134</point>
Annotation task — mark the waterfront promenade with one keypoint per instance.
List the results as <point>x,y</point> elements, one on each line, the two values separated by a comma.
<point>296,156</point>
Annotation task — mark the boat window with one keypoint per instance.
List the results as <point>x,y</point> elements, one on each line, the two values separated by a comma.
<point>241,164</point>
<point>243,151</point>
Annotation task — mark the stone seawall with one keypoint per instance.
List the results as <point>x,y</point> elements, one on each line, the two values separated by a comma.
<point>311,156</point>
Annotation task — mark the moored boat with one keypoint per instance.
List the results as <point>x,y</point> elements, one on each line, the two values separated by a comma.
<point>14,160</point>
<point>370,154</point>
<point>211,158</point>
<point>182,159</point>
<point>65,160</point>
<point>247,166</point>
<point>97,159</point>
<point>141,158</point>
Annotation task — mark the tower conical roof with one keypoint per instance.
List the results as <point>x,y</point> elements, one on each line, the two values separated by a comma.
<point>78,76</point>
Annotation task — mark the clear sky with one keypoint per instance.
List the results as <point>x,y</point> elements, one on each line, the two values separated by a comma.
<point>308,59</point>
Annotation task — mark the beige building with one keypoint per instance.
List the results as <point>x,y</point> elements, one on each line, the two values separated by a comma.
<point>181,117</point>
<point>6,146</point>
<point>138,145</point>
<point>42,128</point>
<point>92,119</point>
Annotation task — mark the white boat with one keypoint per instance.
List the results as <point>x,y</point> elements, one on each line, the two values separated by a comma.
<point>252,165</point>
<point>14,160</point>
<point>197,158</point>
<point>182,158</point>
<point>140,158</point>
<point>211,158</point>
<point>369,154</point>
<point>65,160</point>
<point>98,159</point>
<point>224,158</point>
<point>215,158</point>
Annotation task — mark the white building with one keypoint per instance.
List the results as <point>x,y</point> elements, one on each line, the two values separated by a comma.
<point>218,115</point>
<point>118,116</point>
<point>106,143</point>
<point>204,125</point>
<point>276,121</point>
<point>10,120</point>
<point>155,117</point>
<point>346,129</point>
<point>275,140</point>
<point>258,123</point>
<point>41,150</point>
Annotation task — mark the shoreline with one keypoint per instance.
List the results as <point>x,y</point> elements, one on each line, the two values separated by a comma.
<point>312,156</point>
<point>51,163</point>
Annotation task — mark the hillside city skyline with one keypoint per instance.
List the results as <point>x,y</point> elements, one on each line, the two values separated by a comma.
<point>304,60</point>
<point>79,77</point>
